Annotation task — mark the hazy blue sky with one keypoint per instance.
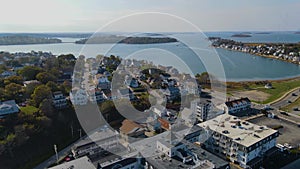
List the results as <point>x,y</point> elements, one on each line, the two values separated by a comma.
<point>90,15</point>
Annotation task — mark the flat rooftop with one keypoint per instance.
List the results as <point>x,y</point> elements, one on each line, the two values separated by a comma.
<point>206,160</point>
<point>240,131</point>
<point>80,163</point>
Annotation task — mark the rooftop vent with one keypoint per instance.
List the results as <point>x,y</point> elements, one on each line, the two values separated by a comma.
<point>257,136</point>
<point>225,132</point>
<point>245,123</point>
<point>238,139</point>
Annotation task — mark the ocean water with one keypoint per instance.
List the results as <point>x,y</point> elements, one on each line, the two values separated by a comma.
<point>237,66</point>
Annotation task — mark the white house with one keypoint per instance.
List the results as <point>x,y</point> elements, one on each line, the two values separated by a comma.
<point>102,81</point>
<point>78,97</point>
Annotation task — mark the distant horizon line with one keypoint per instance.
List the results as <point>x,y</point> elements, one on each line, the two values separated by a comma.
<point>89,32</point>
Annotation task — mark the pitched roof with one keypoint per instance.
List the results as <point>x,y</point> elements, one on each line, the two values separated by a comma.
<point>129,126</point>
<point>237,101</point>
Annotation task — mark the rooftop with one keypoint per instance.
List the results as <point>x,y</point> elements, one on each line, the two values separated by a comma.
<point>237,101</point>
<point>80,163</point>
<point>240,131</point>
<point>129,126</point>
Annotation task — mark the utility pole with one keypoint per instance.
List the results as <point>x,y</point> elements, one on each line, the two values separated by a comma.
<point>72,131</point>
<point>55,149</point>
<point>79,133</point>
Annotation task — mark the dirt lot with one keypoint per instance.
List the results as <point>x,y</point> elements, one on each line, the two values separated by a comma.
<point>252,95</point>
<point>290,133</point>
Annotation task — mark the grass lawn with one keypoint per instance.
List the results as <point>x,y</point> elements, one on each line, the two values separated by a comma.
<point>280,87</point>
<point>29,110</point>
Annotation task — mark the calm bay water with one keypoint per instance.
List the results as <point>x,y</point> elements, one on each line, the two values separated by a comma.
<point>238,66</point>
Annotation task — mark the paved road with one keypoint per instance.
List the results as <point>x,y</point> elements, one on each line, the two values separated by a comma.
<point>288,97</point>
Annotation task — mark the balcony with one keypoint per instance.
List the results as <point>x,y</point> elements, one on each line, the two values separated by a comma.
<point>216,137</point>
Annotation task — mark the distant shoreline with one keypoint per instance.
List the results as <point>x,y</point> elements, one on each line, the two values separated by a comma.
<point>261,55</point>
<point>287,52</point>
<point>269,80</point>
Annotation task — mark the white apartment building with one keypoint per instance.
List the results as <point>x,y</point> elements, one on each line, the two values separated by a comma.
<point>238,140</point>
<point>235,106</point>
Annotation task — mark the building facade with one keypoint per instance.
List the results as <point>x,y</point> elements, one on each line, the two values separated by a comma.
<point>235,106</point>
<point>237,140</point>
<point>59,100</point>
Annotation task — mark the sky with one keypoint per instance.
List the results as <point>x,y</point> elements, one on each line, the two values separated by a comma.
<point>149,15</point>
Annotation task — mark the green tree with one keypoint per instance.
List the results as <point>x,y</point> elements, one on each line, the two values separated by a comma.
<point>53,86</point>
<point>30,72</point>
<point>46,107</point>
<point>40,93</point>
<point>2,82</point>
<point>14,79</point>
<point>51,63</point>
<point>45,77</point>
<point>3,68</point>
<point>2,94</point>
<point>29,89</point>
<point>14,91</point>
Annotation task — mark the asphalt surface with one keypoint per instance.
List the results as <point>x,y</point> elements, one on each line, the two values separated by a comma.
<point>285,101</point>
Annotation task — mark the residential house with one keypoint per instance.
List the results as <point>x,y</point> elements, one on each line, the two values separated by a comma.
<point>131,130</point>
<point>131,82</point>
<point>165,124</point>
<point>172,93</point>
<point>97,96</point>
<point>8,107</point>
<point>59,100</point>
<point>191,88</point>
<point>6,74</point>
<point>268,86</point>
<point>153,124</point>
<point>102,82</point>
<point>126,93</point>
<point>29,82</point>
<point>78,97</point>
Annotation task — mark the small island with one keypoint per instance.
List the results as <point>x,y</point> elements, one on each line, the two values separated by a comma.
<point>25,40</point>
<point>263,33</point>
<point>241,35</point>
<point>126,40</point>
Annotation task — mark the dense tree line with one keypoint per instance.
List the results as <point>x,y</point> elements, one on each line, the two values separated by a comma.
<point>38,113</point>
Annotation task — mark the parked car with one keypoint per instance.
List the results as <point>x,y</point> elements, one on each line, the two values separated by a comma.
<point>295,109</point>
<point>294,94</point>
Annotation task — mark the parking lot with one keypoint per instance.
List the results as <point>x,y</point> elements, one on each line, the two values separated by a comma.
<point>290,133</point>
